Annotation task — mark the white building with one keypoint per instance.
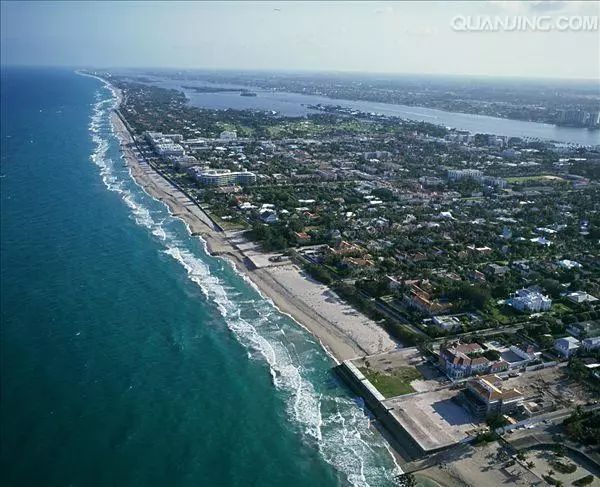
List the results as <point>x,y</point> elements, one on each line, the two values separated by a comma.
<point>458,174</point>
<point>566,346</point>
<point>222,177</point>
<point>447,322</point>
<point>165,145</point>
<point>530,301</point>
<point>580,297</point>
<point>569,264</point>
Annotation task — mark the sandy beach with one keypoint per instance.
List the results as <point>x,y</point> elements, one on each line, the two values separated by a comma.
<point>344,332</point>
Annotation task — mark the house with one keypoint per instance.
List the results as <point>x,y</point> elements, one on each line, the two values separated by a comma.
<point>580,297</point>
<point>496,270</point>
<point>358,262</point>
<point>479,364</point>
<point>268,216</point>
<point>424,301</point>
<point>591,343</point>
<point>530,300</point>
<point>346,248</point>
<point>566,346</point>
<point>485,397</point>
<point>525,350</point>
<point>541,241</point>
<point>569,264</point>
<point>477,276</point>
<point>456,361</point>
<point>302,237</point>
<point>447,322</point>
<point>498,366</point>
<point>520,355</point>
<point>586,328</point>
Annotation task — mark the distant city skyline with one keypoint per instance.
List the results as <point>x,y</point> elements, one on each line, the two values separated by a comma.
<point>366,37</point>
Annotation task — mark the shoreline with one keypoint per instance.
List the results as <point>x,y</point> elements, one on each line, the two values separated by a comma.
<point>341,331</point>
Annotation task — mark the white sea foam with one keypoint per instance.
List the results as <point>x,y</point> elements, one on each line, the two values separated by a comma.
<point>336,425</point>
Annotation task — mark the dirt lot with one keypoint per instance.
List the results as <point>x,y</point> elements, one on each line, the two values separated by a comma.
<point>551,383</point>
<point>486,465</point>
<point>543,464</point>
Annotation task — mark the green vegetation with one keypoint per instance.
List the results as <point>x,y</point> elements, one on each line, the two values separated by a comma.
<point>537,178</point>
<point>551,480</point>
<point>497,421</point>
<point>563,467</point>
<point>468,296</point>
<point>583,427</point>
<point>587,480</point>
<point>486,437</point>
<point>365,204</point>
<point>393,384</point>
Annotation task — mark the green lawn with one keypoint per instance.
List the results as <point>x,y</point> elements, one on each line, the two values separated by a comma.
<point>541,177</point>
<point>503,314</point>
<point>393,384</point>
<point>232,225</point>
<point>561,309</point>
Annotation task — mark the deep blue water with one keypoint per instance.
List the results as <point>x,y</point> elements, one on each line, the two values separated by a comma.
<point>130,356</point>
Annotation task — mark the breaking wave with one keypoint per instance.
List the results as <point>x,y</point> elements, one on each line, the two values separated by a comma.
<point>318,408</point>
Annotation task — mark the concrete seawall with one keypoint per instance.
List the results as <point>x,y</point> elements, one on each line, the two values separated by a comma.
<point>398,436</point>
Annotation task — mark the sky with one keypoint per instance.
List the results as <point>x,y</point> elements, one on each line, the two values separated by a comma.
<point>379,37</point>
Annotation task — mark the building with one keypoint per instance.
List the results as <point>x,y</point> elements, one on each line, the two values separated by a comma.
<point>457,363</point>
<point>447,322</point>
<point>569,264</point>
<point>458,174</point>
<point>496,270</point>
<point>423,301</point>
<point>526,351</point>
<point>518,356</point>
<point>168,149</point>
<point>476,175</point>
<point>182,163</point>
<point>541,241</point>
<point>530,301</point>
<point>222,177</point>
<point>268,215</point>
<point>584,329</point>
<point>165,145</point>
<point>580,297</point>
<point>567,346</point>
<point>485,397</point>
<point>591,343</point>
<point>228,135</point>
<point>578,118</point>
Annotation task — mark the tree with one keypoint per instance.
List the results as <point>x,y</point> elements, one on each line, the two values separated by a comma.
<point>472,296</point>
<point>406,480</point>
<point>552,287</point>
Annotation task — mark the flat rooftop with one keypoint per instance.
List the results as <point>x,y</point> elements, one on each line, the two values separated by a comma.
<point>510,357</point>
<point>433,419</point>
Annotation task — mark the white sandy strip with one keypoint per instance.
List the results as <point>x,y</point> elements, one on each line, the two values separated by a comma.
<point>367,334</point>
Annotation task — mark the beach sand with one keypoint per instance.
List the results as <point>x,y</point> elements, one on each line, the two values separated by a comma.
<point>344,332</point>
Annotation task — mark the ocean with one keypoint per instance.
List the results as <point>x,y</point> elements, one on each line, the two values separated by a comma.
<point>129,355</point>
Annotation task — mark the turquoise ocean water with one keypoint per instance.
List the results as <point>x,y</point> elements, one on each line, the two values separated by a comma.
<point>129,356</point>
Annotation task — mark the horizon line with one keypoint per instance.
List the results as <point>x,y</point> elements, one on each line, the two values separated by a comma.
<point>304,71</point>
